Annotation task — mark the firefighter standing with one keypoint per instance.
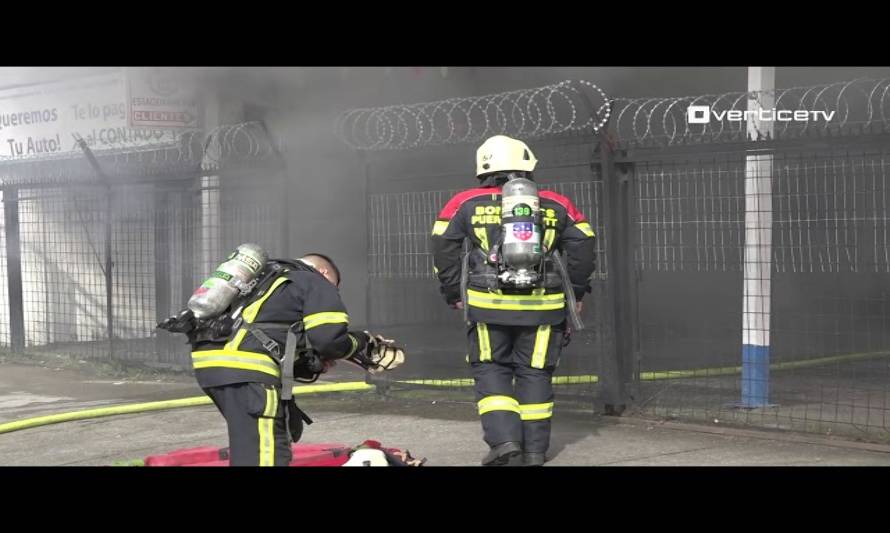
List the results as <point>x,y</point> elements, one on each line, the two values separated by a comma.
<point>513,334</point>
<point>242,373</point>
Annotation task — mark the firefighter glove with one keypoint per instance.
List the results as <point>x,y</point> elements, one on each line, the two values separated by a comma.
<point>383,353</point>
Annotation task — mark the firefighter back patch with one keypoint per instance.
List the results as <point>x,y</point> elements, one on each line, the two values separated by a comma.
<point>523,230</point>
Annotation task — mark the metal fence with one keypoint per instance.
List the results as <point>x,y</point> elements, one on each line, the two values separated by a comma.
<point>667,318</point>
<point>830,331</point>
<point>92,261</point>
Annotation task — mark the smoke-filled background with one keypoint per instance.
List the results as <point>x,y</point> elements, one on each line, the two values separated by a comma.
<point>328,178</point>
<point>99,255</point>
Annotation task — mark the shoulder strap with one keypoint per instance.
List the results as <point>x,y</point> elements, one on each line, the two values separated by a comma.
<point>290,356</point>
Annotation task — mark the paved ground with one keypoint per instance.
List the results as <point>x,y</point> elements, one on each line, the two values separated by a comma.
<point>445,431</point>
<point>27,391</point>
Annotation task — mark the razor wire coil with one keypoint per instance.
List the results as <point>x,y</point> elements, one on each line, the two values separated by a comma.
<point>858,106</point>
<point>564,107</point>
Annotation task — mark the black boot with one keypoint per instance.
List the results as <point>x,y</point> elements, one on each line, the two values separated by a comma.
<point>503,454</point>
<point>533,459</point>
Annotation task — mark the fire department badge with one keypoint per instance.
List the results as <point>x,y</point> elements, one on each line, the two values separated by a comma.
<point>522,230</point>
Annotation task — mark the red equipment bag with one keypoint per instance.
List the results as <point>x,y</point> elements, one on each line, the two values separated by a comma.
<point>303,455</point>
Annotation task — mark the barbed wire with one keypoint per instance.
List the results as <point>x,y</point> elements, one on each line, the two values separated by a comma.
<point>860,106</point>
<point>243,144</point>
<point>564,107</point>
<point>856,107</point>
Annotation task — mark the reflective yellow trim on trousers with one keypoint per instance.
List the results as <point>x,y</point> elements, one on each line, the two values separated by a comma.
<point>267,440</point>
<point>515,302</point>
<point>354,345</point>
<point>235,359</point>
<point>271,402</point>
<point>585,228</point>
<point>498,403</point>
<point>542,340</point>
<point>549,236</point>
<point>483,238</point>
<point>317,319</point>
<point>536,411</point>
<point>484,342</point>
<point>439,227</point>
<point>266,427</point>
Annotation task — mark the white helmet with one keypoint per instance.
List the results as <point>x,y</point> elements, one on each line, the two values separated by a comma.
<point>501,153</point>
<point>367,457</point>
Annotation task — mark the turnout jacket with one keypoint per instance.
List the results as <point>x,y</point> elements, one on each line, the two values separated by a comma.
<point>297,295</point>
<point>474,214</point>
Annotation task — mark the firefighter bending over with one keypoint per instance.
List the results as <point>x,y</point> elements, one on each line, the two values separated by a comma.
<point>256,326</point>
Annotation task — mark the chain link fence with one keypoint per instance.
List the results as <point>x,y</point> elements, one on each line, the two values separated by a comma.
<point>93,262</point>
<point>670,199</point>
<point>829,330</point>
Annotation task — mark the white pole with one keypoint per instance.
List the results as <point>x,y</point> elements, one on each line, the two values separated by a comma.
<point>758,242</point>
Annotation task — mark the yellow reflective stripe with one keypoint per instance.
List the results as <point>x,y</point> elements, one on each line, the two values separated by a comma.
<point>317,319</point>
<point>501,306</point>
<point>247,356</point>
<point>549,235</point>
<point>271,402</point>
<point>536,411</point>
<point>555,297</point>
<point>236,365</point>
<point>484,342</point>
<point>250,312</point>
<point>267,429</point>
<point>261,432</point>
<point>439,227</point>
<point>483,237</point>
<point>236,341</point>
<point>585,229</point>
<point>542,339</point>
<point>498,403</point>
<point>235,359</point>
<point>267,441</point>
<point>354,344</point>
<point>435,270</point>
<point>511,302</point>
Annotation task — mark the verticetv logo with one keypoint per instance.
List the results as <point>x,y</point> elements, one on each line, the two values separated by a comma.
<point>701,114</point>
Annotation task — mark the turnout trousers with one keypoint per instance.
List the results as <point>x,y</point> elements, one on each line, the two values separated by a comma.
<point>513,367</point>
<point>255,418</point>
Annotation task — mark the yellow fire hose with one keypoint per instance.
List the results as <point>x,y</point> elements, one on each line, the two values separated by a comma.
<point>362,386</point>
<point>158,406</point>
